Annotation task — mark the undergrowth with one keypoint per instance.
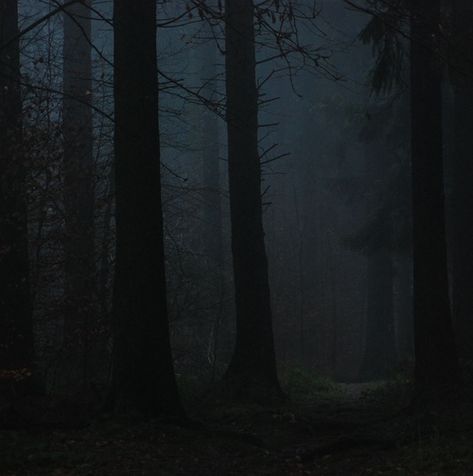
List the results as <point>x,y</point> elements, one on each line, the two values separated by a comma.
<point>302,385</point>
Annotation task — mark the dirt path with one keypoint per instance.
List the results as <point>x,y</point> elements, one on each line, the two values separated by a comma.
<point>349,434</point>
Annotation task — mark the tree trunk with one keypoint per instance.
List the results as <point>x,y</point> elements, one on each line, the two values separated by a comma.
<point>211,165</point>
<point>379,357</point>
<point>405,327</point>
<point>461,168</point>
<point>143,375</point>
<point>16,327</point>
<point>80,289</point>
<point>253,367</point>
<point>212,211</point>
<point>436,362</point>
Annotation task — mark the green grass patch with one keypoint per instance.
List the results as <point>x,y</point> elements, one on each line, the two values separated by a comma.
<point>304,385</point>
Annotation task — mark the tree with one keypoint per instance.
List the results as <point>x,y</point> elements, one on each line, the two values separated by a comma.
<point>211,163</point>
<point>78,186</point>
<point>212,196</point>
<point>16,326</point>
<point>436,367</point>
<point>436,362</point>
<point>386,238</point>
<point>380,347</point>
<point>143,377</point>
<point>461,170</point>
<point>252,371</point>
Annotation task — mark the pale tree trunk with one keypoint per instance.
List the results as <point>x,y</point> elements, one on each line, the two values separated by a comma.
<point>212,235</point>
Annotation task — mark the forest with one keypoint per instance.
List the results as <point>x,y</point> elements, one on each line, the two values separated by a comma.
<point>236,237</point>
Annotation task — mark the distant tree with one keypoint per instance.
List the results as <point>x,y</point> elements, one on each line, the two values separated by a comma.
<point>436,361</point>
<point>436,368</point>
<point>78,186</point>
<point>213,244</point>
<point>16,327</point>
<point>211,162</point>
<point>385,236</point>
<point>143,377</point>
<point>380,346</point>
<point>252,371</point>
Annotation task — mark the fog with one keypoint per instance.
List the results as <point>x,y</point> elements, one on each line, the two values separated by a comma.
<point>210,204</point>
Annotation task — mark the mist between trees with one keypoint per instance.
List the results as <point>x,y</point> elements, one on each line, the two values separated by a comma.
<point>210,194</point>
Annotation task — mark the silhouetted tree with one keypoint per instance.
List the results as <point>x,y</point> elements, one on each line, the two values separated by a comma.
<point>78,186</point>
<point>461,170</point>
<point>143,377</point>
<point>211,163</point>
<point>380,346</point>
<point>16,329</point>
<point>436,366</point>
<point>252,371</point>
<point>212,195</point>
<point>436,363</point>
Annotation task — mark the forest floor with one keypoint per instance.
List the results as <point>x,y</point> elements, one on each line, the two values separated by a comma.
<point>340,430</point>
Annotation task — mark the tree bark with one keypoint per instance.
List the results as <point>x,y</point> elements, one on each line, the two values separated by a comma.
<point>16,326</point>
<point>436,361</point>
<point>143,376</point>
<point>253,366</point>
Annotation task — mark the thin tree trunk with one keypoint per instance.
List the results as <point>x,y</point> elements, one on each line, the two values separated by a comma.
<point>380,348</point>
<point>16,327</point>
<point>405,327</point>
<point>79,188</point>
<point>143,377</point>
<point>436,362</point>
<point>211,166</point>
<point>213,220</point>
<point>253,366</point>
<point>106,271</point>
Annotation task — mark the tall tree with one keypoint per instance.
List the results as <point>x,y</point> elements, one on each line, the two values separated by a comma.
<point>252,370</point>
<point>211,163</point>
<point>436,362</point>
<point>78,186</point>
<point>212,235</point>
<point>16,328</point>
<point>380,347</point>
<point>143,377</point>
<point>461,170</point>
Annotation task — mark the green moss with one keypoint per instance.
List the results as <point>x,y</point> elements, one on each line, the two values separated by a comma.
<point>304,385</point>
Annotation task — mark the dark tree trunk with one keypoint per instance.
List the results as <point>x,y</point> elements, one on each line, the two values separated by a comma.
<point>16,328</point>
<point>107,245</point>
<point>405,327</point>
<point>379,358</point>
<point>461,168</point>
<point>253,367</point>
<point>143,375</point>
<point>78,188</point>
<point>436,362</point>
